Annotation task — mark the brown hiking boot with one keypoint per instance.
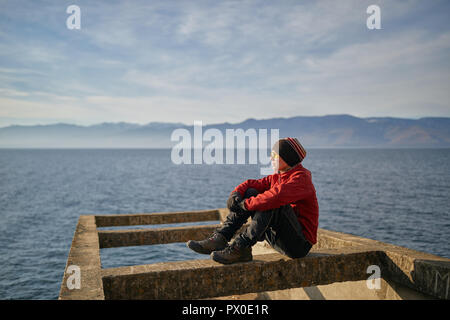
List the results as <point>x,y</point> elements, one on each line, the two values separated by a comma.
<point>232,254</point>
<point>214,242</point>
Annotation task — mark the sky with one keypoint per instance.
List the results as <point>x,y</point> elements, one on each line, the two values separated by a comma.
<point>221,61</point>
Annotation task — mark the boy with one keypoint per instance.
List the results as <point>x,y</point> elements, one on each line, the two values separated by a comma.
<point>283,207</point>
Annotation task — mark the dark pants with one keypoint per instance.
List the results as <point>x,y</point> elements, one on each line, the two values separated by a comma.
<point>279,227</point>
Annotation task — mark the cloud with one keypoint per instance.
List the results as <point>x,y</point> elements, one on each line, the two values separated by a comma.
<point>24,109</point>
<point>229,60</point>
<point>12,93</point>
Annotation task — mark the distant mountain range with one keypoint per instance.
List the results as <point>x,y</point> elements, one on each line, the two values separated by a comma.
<point>319,131</point>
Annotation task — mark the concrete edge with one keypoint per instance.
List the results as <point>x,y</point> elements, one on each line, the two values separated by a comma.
<point>82,274</point>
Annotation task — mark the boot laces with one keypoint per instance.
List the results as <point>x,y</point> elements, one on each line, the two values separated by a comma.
<point>231,248</point>
<point>213,236</point>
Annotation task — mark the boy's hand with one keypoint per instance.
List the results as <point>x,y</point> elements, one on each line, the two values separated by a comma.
<point>233,200</point>
<point>239,207</point>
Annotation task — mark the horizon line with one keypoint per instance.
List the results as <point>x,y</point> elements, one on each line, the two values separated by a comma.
<point>219,123</point>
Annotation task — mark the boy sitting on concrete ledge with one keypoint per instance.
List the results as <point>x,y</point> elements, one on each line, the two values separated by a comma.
<point>283,207</point>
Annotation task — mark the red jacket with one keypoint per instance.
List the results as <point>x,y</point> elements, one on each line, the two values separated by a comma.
<point>293,187</point>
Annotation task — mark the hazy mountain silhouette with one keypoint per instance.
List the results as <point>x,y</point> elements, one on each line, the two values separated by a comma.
<point>317,131</point>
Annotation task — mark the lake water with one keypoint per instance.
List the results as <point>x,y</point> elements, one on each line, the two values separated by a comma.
<point>396,196</point>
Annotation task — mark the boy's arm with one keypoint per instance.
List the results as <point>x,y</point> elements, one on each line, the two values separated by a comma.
<point>297,188</point>
<point>260,184</point>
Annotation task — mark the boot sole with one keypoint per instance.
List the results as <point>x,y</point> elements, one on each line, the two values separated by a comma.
<point>223,261</point>
<point>194,246</point>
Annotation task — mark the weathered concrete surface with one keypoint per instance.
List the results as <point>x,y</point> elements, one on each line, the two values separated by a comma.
<point>206,278</point>
<point>122,238</point>
<point>155,218</point>
<point>337,263</point>
<point>424,272</point>
<point>84,253</point>
<point>347,290</point>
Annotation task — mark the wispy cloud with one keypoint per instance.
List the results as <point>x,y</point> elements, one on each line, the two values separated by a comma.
<point>142,61</point>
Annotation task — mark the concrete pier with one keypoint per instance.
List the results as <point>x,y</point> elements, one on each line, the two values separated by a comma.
<point>336,268</point>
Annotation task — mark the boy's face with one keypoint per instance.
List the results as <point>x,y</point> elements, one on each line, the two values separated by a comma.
<point>277,162</point>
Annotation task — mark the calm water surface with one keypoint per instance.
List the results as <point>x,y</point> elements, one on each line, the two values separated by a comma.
<point>397,196</point>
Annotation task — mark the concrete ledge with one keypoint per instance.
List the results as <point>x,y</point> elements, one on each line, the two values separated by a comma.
<point>84,253</point>
<point>156,218</point>
<point>346,290</point>
<point>336,258</point>
<point>205,278</point>
<point>420,271</point>
<point>122,238</point>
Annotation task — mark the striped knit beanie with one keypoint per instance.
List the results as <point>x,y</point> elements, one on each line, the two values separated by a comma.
<point>290,150</point>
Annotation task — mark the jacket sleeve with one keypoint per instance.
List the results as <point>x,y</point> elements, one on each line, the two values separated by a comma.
<point>261,185</point>
<point>298,187</point>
